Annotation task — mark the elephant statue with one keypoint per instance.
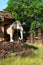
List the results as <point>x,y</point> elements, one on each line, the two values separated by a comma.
<point>10,30</point>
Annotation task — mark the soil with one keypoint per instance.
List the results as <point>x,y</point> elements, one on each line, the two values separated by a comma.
<point>7,48</point>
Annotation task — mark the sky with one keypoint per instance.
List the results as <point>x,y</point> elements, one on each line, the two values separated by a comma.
<point>3,4</point>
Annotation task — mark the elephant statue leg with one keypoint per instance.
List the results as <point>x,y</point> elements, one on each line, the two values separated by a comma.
<point>10,32</point>
<point>11,38</point>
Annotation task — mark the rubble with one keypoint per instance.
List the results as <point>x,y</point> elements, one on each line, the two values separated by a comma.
<point>7,48</point>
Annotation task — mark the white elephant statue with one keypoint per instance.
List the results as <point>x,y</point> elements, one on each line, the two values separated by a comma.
<point>10,30</point>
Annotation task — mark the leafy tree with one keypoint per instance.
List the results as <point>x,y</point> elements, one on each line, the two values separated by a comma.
<point>26,11</point>
<point>23,10</point>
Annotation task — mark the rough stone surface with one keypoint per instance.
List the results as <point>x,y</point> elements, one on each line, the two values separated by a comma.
<point>6,49</point>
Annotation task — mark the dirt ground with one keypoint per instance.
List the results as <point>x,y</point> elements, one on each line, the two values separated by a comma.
<point>7,48</point>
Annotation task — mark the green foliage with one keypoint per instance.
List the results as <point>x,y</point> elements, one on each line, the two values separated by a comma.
<point>35,24</point>
<point>23,9</point>
<point>26,10</point>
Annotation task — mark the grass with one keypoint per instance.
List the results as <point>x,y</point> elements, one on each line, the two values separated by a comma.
<point>37,59</point>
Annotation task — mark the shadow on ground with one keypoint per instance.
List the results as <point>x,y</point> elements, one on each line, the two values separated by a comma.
<point>31,47</point>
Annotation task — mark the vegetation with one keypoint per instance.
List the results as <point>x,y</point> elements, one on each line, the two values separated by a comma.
<point>37,59</point>
<point>27,11</point>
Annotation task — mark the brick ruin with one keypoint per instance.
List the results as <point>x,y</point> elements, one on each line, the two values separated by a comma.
<point>36,40</point>
<point>5,20</point>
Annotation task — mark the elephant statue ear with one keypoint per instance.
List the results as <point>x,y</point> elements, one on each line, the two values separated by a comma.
<point>23,23</point>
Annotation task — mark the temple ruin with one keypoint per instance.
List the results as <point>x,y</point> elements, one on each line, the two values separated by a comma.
<point>6,19</point>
